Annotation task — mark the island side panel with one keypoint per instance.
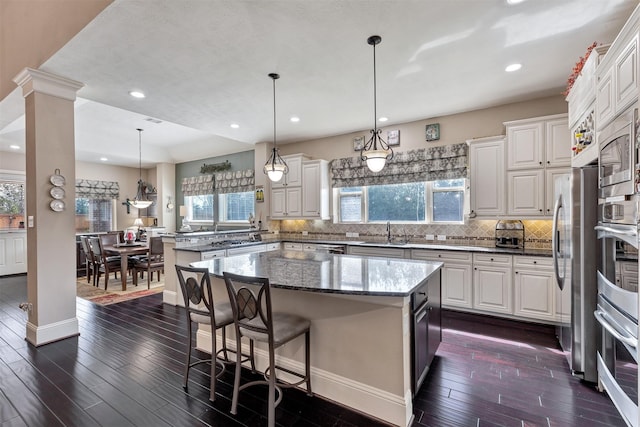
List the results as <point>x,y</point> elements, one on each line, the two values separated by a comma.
<point>360,348</point>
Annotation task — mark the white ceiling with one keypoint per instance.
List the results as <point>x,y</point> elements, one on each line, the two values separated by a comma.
<point>203,65</point>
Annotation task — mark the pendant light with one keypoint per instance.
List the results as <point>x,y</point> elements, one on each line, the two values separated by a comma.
<point>376,151</point>
<point>141,201</point>
<point>275,168</point>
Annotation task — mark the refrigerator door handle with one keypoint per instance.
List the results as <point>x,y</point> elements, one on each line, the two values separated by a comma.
<point>619,335</point>
<point>555,242</point>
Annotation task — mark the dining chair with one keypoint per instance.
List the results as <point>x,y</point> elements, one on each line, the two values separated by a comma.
<point>154,261</point>
<point>88,256</point>
<point>103,263</point>
<point>202,309</point>
<point>253,317</point>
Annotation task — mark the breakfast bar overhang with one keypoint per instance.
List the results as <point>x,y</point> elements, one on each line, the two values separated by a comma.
<point>362,324</point>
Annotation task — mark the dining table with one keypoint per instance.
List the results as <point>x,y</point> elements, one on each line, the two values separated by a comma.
<point>125,250</point>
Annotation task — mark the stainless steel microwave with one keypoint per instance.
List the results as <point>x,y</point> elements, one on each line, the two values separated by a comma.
<point>618,156</point>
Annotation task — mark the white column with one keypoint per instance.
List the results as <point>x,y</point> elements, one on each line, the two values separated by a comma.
<point>51,246</point>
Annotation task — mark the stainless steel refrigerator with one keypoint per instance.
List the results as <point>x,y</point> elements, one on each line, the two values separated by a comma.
<point>575,254</point>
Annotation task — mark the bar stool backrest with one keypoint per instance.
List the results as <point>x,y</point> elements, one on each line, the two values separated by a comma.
<point>196,291</point>
<point>250,299</point>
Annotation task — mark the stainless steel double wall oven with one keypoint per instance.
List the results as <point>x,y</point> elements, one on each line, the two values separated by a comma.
<point>617,308</point>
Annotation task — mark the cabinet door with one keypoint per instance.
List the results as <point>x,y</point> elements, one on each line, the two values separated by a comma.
<point>315,189</point>
<point>626,76</point>
<point>278,203</point>
<point>294,202</point>
<point>292,178</point>
<point>456,285</point>
<point>492,289</point>
<point>557,143</point>
<point>487,190</point>
<point>525,145</point>
<point>526,192</point>
<point>604,100</point>
<point>13,253</point>
<point>534,294</point>
<point>549,182</point>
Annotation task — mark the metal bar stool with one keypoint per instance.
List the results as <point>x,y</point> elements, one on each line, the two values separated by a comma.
<point>253,318</point>
<point>200,308</point>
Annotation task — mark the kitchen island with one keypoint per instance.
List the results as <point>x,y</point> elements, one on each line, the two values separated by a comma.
<point>363,326</point>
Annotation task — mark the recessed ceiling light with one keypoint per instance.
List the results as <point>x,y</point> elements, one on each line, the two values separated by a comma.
<point>103,159</point>
<point>14,147</point>
<point>513,67</point>
<point>136,94</point>
<point>383,119</point>
<point>235,125</point>
<point>514,1</point>
<point>295,119</point>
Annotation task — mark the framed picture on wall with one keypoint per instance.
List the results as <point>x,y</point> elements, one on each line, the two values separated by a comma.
<point>358,143</point>
<point>393,137</point>
<point>433,132</point>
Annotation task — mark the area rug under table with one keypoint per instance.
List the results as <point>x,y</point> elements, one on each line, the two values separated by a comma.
<point>114,292</point>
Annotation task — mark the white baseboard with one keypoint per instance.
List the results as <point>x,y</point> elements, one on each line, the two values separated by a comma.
<point>392,408</point>
<point>170,297</point>
<point>39,335</point>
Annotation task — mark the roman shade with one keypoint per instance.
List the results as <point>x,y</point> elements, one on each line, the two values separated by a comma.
<point>426,164</point>
<point>94,189</point>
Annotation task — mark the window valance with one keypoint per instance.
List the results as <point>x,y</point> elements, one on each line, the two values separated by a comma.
<point>198,185</point>
<point>235,182</point>
<point>427,164</point>
<point>222,182</point>
<point>94,189</point>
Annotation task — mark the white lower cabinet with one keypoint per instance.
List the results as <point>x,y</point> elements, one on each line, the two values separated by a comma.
<point>492,283</point>
<point>534,288</point>
<point>456,276</point>
<point>376,251</point>
<point>13,253</point>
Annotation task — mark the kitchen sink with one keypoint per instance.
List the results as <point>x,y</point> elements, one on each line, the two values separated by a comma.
<point>384,243</point>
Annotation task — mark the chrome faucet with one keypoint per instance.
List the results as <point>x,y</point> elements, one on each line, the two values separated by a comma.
<point>388,231</point>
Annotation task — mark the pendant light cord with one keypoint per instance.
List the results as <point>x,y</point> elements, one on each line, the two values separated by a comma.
<point>375,98</point>
<point>140,153</point>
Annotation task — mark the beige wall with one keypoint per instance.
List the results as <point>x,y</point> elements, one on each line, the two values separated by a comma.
<point>454,129</point>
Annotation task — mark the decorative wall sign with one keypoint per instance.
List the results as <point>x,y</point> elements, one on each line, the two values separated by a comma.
<point>433,132</point>
<point>259,193</point>
<point>215,167</point>
<point>358,143</point>
<point>393,137</point>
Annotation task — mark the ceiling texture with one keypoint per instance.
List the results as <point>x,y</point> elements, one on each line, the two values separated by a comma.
<point>204,65</point>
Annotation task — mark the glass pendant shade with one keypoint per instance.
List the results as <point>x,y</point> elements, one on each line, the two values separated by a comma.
<point>140,201</point>
<point>376,160</point>
<point>276,167</point>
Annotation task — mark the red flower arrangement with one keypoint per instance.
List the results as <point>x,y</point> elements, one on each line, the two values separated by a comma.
<point>577,69</point>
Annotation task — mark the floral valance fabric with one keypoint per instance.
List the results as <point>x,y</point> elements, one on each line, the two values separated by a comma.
<point>198,185</point>
<point>427,164</point>
<point>235,182</point>
<point>222,182</point>
<point>94,189</point>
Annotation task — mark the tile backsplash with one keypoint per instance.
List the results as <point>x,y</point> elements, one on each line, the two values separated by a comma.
<point>473,232</point>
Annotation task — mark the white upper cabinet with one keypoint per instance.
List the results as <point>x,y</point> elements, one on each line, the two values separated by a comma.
<point>315,189</point>
<point>617,74</point>
<point>487,176</point>
<point>525,145</point>
<point>538,142</point>
<point>303,193</point>
<point>293,178</point>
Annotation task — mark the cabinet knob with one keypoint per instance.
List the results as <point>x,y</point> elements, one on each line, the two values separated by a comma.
<point>535,262</point>
<point>548,162</point>
<point>540,163</point>
<point>516,272</point>
<point>475,268</point>
<point>540,210</point>
<point>491,259</point>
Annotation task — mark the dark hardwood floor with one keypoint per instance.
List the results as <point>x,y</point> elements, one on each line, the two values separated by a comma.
<point>125,369</point>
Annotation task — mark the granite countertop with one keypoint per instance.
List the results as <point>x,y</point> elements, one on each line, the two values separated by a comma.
<point>430,246</point>
<point>328,273</point>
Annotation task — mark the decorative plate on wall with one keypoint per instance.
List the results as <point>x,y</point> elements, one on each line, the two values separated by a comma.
<point>57,205</point>
<point>57,192</point>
